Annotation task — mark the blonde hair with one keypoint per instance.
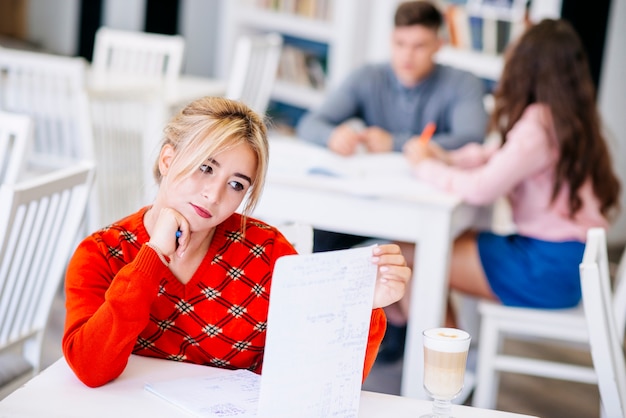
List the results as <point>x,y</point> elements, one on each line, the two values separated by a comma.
<point>208,126</point>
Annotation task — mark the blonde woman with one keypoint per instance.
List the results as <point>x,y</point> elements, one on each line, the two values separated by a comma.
<point>188,278</point>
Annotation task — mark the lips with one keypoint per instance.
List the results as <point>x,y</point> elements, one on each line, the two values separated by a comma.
<point>201,212</point>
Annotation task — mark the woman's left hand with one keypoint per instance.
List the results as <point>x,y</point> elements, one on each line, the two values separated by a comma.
<point>393,274</point>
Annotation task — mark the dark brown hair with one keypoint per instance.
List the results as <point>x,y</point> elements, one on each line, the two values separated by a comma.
<point>418,13</point>
<point>548,65</point>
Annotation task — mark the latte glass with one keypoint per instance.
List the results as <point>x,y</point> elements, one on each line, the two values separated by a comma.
<point>445,358</point>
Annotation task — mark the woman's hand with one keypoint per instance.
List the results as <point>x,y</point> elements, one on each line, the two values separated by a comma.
<point>393,274</point>
<point>417,151</point>
<point>163,235</point>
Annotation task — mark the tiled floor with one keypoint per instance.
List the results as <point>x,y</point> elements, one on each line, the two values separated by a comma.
<point>544,398</point>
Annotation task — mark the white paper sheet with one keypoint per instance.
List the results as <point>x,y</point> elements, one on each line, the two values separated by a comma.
<point>223,393</point>
<point>370,175</point>
<point>318,325</point>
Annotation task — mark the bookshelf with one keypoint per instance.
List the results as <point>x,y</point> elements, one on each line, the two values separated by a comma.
<point>322,38</point>
<point>485,63</point>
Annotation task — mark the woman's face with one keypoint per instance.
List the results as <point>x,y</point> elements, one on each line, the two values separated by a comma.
<point>215,190</point>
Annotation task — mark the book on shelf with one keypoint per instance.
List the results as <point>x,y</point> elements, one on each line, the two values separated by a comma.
<point>476,32</point>
<point>502,10</point>
<point>284,117</point>
<point>303,62</point>
<point>313,9</point>
<point>457,22</point>
<point>488,33</point>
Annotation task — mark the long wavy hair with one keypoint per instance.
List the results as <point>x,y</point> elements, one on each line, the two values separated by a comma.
<point>548,65</point>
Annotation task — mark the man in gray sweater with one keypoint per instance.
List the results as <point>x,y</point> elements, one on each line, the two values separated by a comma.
<point>394,101</point>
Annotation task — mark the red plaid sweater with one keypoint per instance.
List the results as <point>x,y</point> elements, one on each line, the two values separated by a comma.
<point>122,299</point>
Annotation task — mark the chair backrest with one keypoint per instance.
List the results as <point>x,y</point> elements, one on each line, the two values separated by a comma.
<point>299,235</point>
<point>606,348</point>
<point>50,89</point>
<point>16,132</point>
<point>39,222</point>
<point>253,70</point>
<point>619,296</point>
<point>148,56</point>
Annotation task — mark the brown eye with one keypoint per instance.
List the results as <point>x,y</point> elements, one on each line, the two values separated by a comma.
<point>236,186</point>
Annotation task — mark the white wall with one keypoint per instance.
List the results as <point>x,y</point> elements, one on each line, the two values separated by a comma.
<point>379,32</point>
<point>53,25</point>
<point>612,103</point>
<point>198,23</point>
<point>124,14</point>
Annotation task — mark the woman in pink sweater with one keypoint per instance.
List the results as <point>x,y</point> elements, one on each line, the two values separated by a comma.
<point>553,166</point>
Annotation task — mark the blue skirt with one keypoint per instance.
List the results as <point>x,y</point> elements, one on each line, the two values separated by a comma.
<point>532,273</point>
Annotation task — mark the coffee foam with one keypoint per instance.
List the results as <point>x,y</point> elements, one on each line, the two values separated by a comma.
<point>449,340</point>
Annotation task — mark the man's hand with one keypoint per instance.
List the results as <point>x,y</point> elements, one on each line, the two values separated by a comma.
<point>344,140</point>
<point>377,139</point>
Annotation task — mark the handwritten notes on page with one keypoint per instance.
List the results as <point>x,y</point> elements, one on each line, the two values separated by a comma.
<point>318,325</point>
<point>222,393</point>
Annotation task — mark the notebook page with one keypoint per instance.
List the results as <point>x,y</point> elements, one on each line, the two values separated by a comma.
<point>318,325</point>
<point>221,393</point>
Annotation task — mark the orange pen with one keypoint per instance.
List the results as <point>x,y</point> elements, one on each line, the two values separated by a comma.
<point>427,133</point>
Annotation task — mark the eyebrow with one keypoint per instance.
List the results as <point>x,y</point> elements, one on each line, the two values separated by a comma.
<point>240,175</point>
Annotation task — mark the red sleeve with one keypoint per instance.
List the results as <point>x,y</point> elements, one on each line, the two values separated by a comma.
<point>378,326</point>
<point>106,313</point>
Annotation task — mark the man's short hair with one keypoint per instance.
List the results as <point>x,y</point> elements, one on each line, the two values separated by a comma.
<point>418,13</point>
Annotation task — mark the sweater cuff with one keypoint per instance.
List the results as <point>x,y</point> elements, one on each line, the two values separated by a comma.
<point>148,260</point>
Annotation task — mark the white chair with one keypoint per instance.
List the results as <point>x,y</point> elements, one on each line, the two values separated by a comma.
<point>129,70</point>
<point>299,235</point>
<point>39,221</point>
<point>253,70</point>
<point>50,89</point>
<point>16,134</point>
<point>565,327</point>
<point>145,56</point>
<point>606,339</point>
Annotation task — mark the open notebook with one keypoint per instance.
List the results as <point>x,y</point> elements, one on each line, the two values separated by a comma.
<point>318,326</point>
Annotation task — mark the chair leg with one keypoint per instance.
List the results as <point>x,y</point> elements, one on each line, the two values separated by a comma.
<point>487,377</point>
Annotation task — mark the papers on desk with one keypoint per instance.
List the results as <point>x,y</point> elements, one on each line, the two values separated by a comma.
<point>299,157</point>
<point>318,326</point>
<point>371,175</point>
<point>225,393</point>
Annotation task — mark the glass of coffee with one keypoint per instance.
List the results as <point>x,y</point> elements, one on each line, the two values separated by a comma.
<point>445,357</point>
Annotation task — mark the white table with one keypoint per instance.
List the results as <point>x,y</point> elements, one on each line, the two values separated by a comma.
<point>56,392</point>
<point>172,93</point>
<point>377,197</point>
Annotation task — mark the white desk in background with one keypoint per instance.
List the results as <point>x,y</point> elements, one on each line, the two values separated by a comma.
<point>57,392</point>
<point>172,93</point>
<point>374,195</point>
<point>128,115</point>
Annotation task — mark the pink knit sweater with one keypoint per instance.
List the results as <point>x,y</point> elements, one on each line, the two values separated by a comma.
<point>522,170</point>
